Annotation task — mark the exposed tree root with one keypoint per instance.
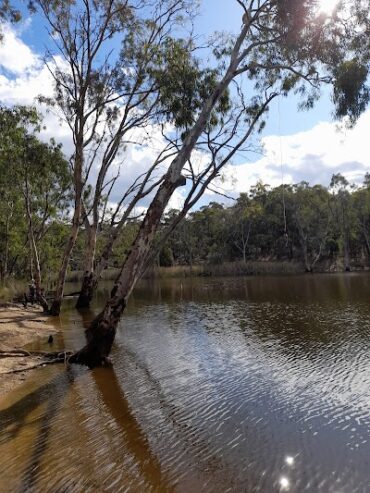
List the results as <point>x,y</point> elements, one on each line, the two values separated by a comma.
<point>47,358</point>
<point>38,365</point>
<point>11,353</point>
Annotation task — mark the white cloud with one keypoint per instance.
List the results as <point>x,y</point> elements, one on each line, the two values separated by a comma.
<point>16,57</point>
<point>313,156</point>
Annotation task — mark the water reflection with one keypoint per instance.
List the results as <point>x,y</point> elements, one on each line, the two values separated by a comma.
<point>218,385</point>
<point>134,439</point>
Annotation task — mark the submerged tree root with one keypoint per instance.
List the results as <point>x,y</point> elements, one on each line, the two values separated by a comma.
<point>91,359</point>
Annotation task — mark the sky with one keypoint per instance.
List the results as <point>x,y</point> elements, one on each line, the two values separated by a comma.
<point>295,145</point>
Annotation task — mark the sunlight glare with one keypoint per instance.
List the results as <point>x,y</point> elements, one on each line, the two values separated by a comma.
<point>289,460</point>
<point>327,6</point>
<point>284,483</point>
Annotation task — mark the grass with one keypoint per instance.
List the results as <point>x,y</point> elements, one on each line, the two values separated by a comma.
<point>253,268</point>
<point>228,269</point>
<point>250,268</point>
<point>225,269</point>
<point>175,271</point>
<point>11,288</point>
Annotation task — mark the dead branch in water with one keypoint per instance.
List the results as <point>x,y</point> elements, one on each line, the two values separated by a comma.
<point>38,365</point>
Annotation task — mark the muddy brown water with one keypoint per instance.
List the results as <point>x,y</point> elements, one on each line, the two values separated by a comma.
<point>218,385</point>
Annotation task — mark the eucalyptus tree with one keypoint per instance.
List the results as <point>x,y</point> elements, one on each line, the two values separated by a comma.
<point>342,214</point>
<point>276,50</point>
<point>311,215</point>
<point>349,60</point>
<point>84,88</point>
<point>361,205</point>
<point>34,182</point>
<point>113,57</point>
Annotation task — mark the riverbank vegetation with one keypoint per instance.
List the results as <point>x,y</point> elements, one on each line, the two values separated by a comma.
<point>289,228</point>
<point>321,228</point>
<point>130,77</point>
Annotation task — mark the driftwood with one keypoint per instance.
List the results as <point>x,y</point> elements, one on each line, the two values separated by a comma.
<point>49,358</point>
<point>22,352</point>
<point>38,365</point>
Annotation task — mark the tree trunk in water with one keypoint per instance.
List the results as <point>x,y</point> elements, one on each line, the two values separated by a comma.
<point>89,284</point>
<point>101,334</point>
<point>89,280</point>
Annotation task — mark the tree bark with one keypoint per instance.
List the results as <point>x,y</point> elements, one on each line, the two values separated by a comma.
<point>303,243</point>
<point>58,297</point>
<point>102,331</point>
<point>78,164</point>
<point>34,254</point>
<point>101,334</point>
<point>89,279</point>
<point>6,252</point>
<point>347,265</point>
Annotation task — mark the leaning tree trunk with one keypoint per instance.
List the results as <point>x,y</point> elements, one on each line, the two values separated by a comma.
<point>89,278</point>
<point>102,332</point>
<point>93,273</point>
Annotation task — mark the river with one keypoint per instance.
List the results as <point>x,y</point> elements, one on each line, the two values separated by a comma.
<point>218,385</point>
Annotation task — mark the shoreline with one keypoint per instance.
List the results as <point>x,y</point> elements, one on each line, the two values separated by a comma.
<point>19,327</point>
<point>227,269</point>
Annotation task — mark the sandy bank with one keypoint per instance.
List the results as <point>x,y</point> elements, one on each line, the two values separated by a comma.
<point>18,327</point>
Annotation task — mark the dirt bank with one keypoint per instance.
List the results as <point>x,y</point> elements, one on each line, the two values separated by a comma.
<point>18,327</point>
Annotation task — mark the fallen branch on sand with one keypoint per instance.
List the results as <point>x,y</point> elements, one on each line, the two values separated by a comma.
<point>10,353</point>
<point>49,358</point>
<point>38,365</point>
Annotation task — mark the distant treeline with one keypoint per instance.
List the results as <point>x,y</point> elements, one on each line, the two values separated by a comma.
<point>321,227</point>
<point>316,227</point>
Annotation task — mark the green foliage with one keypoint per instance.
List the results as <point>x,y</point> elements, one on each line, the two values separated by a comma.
<point>321,223</point>
<point>351,93</point>
<point>35,173</point>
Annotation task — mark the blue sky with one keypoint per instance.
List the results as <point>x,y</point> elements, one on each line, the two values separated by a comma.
<point>214,17</point>
<point>308,144</point>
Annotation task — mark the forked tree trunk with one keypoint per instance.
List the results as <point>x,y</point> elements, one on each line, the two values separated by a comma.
<point>102,332</point>
<point>93,274</point>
